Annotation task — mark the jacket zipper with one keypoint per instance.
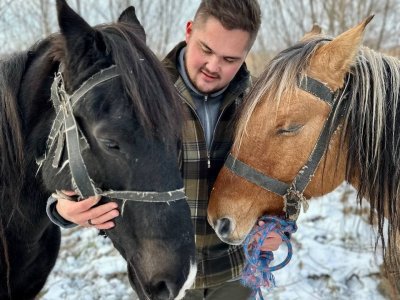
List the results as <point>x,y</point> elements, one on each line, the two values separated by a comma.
<point>206,130</point>
<point>216,124</point>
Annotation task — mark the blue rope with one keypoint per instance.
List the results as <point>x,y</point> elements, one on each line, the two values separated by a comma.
<point>256,272</point>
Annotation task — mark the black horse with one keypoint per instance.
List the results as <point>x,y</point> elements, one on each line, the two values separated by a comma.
<point>127,126</point>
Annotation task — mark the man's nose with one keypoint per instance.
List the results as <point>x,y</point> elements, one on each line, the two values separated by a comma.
<point>213,64</point>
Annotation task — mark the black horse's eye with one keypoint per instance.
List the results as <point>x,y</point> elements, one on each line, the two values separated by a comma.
<point>110,144</point>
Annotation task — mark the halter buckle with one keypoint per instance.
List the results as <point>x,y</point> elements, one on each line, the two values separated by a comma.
<point>293,200</point>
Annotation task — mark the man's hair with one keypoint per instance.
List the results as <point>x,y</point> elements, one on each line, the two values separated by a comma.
<point>232,14</point>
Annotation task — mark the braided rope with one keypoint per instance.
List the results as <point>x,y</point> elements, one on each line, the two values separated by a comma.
<point>256,272</point>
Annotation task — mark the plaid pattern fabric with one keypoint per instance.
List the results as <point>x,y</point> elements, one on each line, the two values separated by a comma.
<point>217,261</point>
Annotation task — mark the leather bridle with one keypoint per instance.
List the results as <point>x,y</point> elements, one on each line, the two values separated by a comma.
<point>292,193</point>
<point>66,131</point>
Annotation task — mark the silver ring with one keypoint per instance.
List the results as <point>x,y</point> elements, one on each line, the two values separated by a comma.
<point>90,222</point>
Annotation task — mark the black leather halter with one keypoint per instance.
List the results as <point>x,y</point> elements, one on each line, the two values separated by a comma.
<point>293,193</point>
<point>65,130</point>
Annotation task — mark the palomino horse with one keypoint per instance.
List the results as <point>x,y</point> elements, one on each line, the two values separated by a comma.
<point>324,111</point>
<point>112,128</point>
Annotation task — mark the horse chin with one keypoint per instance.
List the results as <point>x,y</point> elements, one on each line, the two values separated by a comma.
<point>159,287</point>
<point>230,241</point>
<point>136,282</point>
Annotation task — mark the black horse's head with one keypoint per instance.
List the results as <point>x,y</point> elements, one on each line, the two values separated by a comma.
<point>130,127</point>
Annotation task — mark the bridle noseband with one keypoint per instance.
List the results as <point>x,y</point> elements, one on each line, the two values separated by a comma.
<point>293,193</point>
<point>65,131</point>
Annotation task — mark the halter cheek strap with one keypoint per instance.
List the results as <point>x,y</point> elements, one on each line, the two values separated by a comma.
<point>293,193</point>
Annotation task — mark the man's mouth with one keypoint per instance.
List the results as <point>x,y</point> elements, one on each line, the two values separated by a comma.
<point>209,76</point>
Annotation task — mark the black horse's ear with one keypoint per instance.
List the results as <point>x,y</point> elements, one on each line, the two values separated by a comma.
<point>71,24</point>
<point>77,32</point>
<point>129,16</point>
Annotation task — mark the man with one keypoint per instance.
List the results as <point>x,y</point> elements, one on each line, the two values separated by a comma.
<point>211,78</point>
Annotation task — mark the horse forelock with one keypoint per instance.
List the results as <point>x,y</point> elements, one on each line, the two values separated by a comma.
<point>373,123</point>
<point>280,76</point>
<point>145,81</point>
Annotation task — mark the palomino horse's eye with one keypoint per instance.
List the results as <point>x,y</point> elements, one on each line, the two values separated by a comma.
<point>289,130</point>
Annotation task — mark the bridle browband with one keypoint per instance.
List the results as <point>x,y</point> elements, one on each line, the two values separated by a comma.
<point>65,131</point>
<point>293,193</point>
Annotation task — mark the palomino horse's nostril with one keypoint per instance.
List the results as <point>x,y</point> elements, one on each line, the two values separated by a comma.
<point>224,227</point>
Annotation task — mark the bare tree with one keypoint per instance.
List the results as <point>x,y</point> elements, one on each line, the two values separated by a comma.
<point>286,21</point>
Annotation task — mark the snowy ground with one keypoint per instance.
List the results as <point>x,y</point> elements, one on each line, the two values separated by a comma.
<point>333,258</point>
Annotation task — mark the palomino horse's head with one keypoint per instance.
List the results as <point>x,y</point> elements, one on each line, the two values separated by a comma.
<point>283,118</point>
<point>121,120</point>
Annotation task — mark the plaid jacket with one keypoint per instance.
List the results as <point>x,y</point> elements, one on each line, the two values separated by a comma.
<point>217,261</point>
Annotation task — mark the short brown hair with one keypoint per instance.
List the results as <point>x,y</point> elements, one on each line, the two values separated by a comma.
<point>233,14</point>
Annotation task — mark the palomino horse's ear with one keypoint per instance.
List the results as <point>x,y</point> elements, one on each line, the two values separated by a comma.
<point>129,16</point>
<point>335,58</point>
<point>315,31</point>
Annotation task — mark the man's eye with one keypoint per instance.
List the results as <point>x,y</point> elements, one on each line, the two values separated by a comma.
<point>230,60</point>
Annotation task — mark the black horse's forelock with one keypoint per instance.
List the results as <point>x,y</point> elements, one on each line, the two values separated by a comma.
<point>155,104</point>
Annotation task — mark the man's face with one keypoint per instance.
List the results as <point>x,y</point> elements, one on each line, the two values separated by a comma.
<point>214,54</point>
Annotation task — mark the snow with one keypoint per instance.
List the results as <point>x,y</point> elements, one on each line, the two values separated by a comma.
<point>333,258</point>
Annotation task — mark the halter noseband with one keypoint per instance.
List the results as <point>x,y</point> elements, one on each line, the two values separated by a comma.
<point>293,193</point>
<point>65,130</point>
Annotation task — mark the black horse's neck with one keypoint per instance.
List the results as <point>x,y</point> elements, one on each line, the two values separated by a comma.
<point>34,94</point>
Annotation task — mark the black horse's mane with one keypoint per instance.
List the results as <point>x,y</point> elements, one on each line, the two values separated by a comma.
<point>11,134</point>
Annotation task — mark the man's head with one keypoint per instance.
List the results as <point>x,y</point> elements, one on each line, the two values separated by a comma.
<point>218,41</point>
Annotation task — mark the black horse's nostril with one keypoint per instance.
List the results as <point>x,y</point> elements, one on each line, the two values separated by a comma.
<point>163,290</point>
<point>224,226</point>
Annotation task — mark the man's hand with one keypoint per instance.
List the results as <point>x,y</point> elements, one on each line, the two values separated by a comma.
<point>272,242</point>
<point>83,213</point>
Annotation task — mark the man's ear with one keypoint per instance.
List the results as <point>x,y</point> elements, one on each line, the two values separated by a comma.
<point>189,29</point>
<point>129,16</point>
